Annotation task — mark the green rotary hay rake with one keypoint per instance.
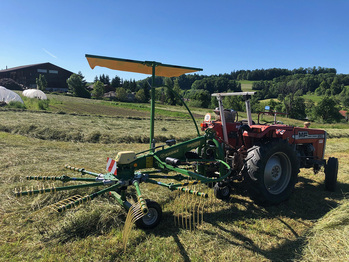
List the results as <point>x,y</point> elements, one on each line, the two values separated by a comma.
<point>168,162</point>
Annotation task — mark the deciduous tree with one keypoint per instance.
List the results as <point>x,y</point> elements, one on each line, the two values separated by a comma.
<point>98,89</point>
<point>41,83</point>
<point>327,110</point>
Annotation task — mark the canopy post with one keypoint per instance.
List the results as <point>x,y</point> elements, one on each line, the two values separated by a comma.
<point>152,113</point>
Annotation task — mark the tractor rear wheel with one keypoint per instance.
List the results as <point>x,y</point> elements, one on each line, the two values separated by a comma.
<point>152,218</point>
<point>331,171</point>
<point>271,172</point>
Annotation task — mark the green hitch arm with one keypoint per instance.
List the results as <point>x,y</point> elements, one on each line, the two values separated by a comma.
<point>188,173</point>
<point>204,181</point>
<point>151,181</point>
<point>127,205</point>
<point>141,200</point>
<point>85,199</point>
<point>177,177</point>
<point>81,170</point>
<point>19,193</point>
<point>60,178</point>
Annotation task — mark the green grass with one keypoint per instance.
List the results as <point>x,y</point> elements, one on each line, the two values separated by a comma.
<point>315,98</point>
<point>108,108</point>
<point>268,100</point>
<point>235,230</point>
<point>311,226</point>
<point>246,85</point>
<point>82,128</point>
<point>328,239</point>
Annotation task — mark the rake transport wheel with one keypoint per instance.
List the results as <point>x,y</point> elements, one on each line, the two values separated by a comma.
<point>152,218</point>
<point>221,191</point>
<point>331,171</point>
<point>271,172</point>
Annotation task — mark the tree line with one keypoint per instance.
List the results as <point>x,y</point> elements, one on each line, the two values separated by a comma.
<point>284,87</point>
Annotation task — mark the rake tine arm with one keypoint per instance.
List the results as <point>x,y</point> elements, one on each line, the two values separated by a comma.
<point>141,200</point>
<point>86,198</point>
<point>54,189</point>
<point>190,191</point>
<point>82,171</point>
<point>60,178</point>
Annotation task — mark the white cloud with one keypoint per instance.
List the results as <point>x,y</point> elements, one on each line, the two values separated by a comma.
<point>47,52</point>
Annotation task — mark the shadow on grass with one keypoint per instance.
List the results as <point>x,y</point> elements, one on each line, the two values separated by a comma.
<point>309,202</point>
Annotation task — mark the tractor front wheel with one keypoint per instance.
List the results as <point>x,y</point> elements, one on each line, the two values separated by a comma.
<point>331,171</point>
<point>152,218</point>
<point>271,172</point>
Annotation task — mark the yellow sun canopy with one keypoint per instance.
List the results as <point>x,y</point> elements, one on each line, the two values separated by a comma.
<point>145,67</point>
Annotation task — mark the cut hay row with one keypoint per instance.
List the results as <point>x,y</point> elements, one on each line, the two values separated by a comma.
<point>235,230</point>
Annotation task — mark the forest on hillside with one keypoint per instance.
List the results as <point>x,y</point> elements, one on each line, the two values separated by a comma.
<point>283,90</point>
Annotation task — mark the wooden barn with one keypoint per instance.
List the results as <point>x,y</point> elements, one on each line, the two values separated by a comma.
<point>55,76</point>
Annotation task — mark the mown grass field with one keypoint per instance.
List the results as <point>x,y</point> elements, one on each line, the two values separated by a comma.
<point>312,226</point>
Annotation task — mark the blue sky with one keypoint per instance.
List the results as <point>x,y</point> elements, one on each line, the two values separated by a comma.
<point>218,36</point>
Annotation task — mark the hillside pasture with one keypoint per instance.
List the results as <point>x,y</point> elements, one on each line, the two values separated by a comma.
<point>37,143</point>
<point>315,98</point>
<point>246,85</point>
<point>93,129</point>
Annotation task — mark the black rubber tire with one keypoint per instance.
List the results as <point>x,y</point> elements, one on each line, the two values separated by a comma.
<point>221,192</point>
<point>153,218</point>
<point>331,171</point>
<point>271,172</point>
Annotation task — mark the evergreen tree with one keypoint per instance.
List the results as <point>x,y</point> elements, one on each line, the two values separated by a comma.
<point>107,80</point>
<point>126,85</point>
<point>76,86</point>
<point>116,82</point>
<point>133,85</point>
<point>170,97</point>
<point>146,89</point>
<point>178,90</point>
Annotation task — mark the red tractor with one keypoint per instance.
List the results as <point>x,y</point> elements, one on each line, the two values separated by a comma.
<point>266,156</point>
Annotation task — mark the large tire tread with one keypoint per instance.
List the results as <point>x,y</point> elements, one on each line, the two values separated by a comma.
<point>331,172</point>
<point>255,163</point>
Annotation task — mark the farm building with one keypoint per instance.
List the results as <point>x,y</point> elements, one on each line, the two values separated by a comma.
<point>344,114</point>
<point>55,76</point>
